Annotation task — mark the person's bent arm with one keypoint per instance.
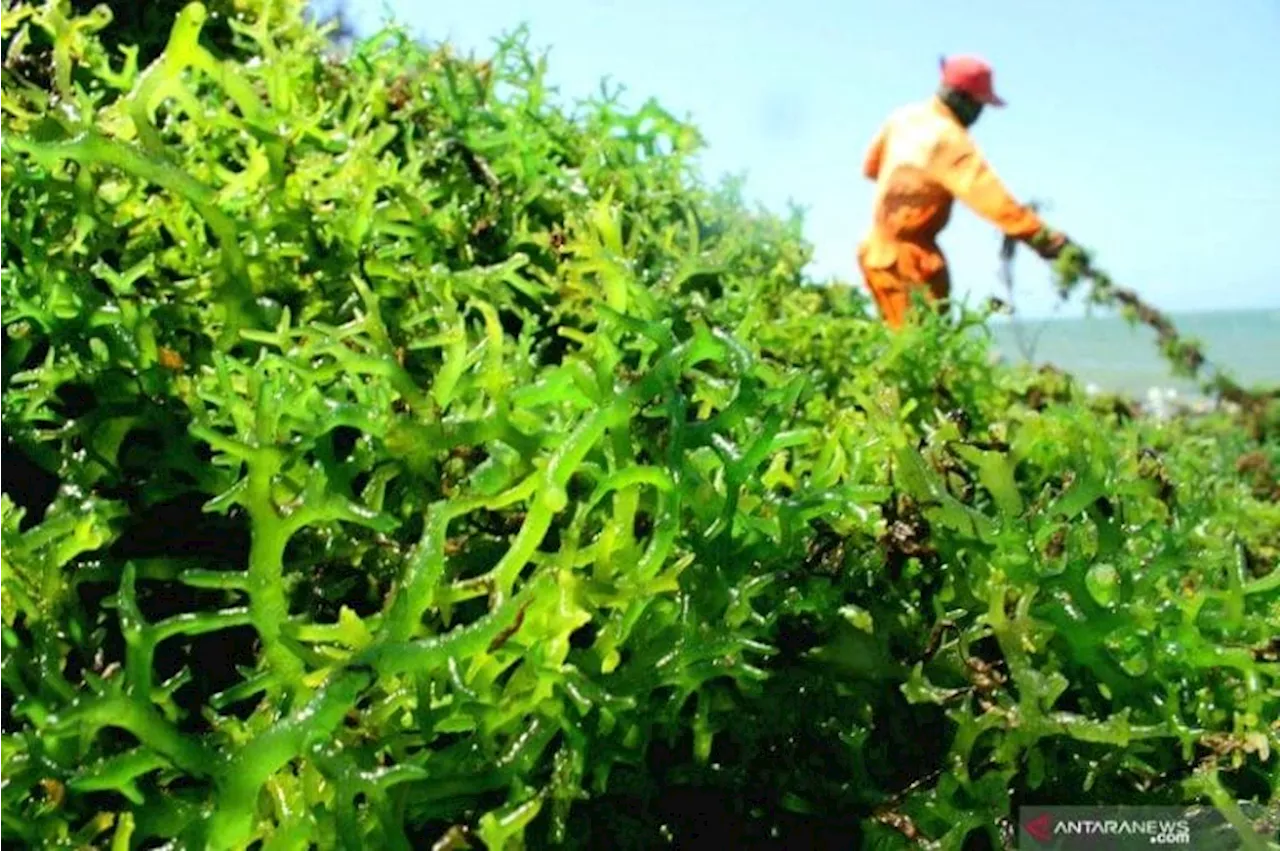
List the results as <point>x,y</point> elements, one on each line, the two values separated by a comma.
<point>962,169</point>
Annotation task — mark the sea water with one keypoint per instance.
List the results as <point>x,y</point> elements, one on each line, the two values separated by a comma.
<point>1108,354</point>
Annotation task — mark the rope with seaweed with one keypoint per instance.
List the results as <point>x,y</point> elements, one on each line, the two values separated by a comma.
<point>1075,265</point>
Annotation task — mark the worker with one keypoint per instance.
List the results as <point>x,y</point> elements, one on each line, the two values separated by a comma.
<point>921,160</point>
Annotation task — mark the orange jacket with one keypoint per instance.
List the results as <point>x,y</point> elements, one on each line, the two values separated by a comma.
<point>922,159</point>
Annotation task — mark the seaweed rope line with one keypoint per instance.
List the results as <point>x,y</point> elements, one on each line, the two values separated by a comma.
<point>1075,265</point>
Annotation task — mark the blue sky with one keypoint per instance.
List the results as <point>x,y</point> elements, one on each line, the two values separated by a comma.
<point>1152,128</point>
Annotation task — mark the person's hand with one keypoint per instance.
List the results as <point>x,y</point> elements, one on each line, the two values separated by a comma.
<point>1049,243</point>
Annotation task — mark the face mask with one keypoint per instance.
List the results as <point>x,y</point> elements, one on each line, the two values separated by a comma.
<point>969,115</point>
<point>965,108</point>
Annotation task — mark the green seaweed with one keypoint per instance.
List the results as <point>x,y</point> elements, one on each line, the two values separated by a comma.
<point>400,457</point>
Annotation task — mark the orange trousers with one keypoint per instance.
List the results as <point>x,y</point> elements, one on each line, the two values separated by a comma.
<point>912,271</point>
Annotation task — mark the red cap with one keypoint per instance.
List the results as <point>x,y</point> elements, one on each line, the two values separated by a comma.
<point>970,75</point>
